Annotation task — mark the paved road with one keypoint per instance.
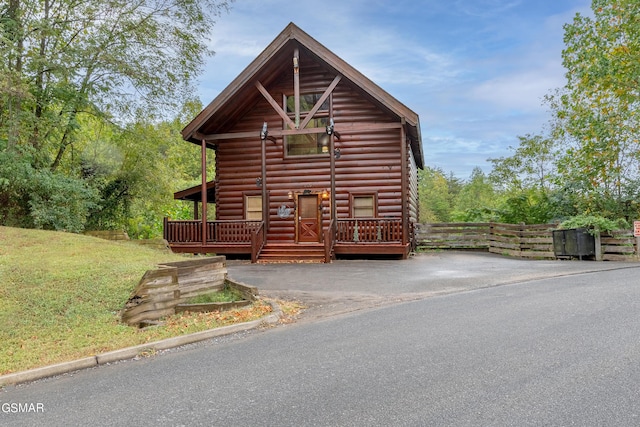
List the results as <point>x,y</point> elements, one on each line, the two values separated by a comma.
<point>561,351</point>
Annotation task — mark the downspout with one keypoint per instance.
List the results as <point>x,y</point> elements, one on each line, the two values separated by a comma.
<point>404,183</point>
<point>203,191</point>
<point>332,171</point>
<point>265,206</point>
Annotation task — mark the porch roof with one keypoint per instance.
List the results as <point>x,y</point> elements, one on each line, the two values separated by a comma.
<point>195,193</point>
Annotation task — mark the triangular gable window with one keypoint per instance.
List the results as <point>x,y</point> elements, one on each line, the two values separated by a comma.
<point>309,144</point>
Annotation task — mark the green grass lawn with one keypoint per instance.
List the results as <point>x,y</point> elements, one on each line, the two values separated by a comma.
<point>61,293</point>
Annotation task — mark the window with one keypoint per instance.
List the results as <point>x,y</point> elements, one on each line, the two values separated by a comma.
<point>253,207</point>
<point>364,206</point>
<point>307,101</point>
<point>311,143</point>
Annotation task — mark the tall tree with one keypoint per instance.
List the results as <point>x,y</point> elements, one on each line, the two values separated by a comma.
<point>476,200</point>
<point>531,165</point>
<point>436,202</point>
<point>65,58</point>
<point>69,68</point>
<point>597,111</point>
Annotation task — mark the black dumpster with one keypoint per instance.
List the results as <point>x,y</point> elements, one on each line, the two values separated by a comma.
<point>573,242</point>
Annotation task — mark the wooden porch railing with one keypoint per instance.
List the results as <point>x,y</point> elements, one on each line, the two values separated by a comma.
<point>217,231</point>
<point>182,231</point>
<point>369,230</point>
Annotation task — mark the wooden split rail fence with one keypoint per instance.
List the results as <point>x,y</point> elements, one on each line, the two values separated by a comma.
<point>619,245</point>
<point>517,240</point>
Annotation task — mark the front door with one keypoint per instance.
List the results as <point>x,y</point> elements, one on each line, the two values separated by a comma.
<point>308,218</point>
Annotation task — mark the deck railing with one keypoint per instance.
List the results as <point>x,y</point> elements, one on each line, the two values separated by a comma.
<point>349,230</point>
<point>369,230</point>
<point>236,232</point>
<point>182,231</point>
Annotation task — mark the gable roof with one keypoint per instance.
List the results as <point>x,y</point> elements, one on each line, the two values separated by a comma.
<point>241,92</point>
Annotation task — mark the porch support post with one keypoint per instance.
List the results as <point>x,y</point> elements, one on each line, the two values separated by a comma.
<point>332,167</point>
<point>265,206</point>
<point>203,191</point>
<point>404,183</point>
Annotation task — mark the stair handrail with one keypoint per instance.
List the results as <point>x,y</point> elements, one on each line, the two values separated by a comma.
<point>329,240</point>
<point>257,242</point>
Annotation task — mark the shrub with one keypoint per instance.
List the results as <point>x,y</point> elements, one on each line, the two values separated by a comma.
<point>39,198</point>
<point>595,223</point>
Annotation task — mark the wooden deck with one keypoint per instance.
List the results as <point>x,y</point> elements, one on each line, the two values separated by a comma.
<point>349,236</point>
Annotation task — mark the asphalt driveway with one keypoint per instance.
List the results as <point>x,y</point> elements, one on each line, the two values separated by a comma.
<point>347,285</point>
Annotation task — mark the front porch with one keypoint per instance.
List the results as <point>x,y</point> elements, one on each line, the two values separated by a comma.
<point>348,236</point>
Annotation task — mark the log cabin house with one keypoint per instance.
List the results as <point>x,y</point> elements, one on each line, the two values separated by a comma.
<point>312,161</point>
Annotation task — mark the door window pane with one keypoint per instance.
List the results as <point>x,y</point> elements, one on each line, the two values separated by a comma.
<point>308,206</point>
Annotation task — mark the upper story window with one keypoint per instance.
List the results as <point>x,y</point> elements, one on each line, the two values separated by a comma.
<point>311,143</point>
<point>307,101</point>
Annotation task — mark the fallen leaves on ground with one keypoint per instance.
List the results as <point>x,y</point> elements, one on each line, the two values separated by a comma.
<point>192,322</point>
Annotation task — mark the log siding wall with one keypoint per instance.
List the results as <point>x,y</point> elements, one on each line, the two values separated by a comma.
<point>370,161</point>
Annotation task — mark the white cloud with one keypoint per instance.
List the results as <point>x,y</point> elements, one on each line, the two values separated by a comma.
<point>485,8</point>
<point>387,57</point>
<point>522,91</point>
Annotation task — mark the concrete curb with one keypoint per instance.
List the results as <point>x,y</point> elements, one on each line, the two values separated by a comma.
<point>132,352</point>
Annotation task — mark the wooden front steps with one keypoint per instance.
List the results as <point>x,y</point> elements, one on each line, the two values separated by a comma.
<point>292,252</point>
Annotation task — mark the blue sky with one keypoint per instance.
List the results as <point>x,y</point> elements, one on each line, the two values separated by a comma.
<point>475,71</point>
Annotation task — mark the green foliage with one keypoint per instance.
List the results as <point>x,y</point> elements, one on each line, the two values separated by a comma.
<point>594,223</point>
<point>589,165</point>
<point>436,195</point>
<point>16,175</point>
<point>529,206</point>
<point>596,113</point>
<point>158,163</point>
<point>105,57</point>
<point>532,164</point>
<point>81,142</point>
<point>58,202</point>
<point>475,214</point>
<point>123,178</point>
<point>40,198</point>
<point>227,294</point>
<point>476,201</point>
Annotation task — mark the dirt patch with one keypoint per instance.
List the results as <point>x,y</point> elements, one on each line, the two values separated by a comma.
<point>320,305</point>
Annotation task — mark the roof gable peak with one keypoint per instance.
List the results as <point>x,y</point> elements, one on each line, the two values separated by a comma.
<point>261,65</point>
